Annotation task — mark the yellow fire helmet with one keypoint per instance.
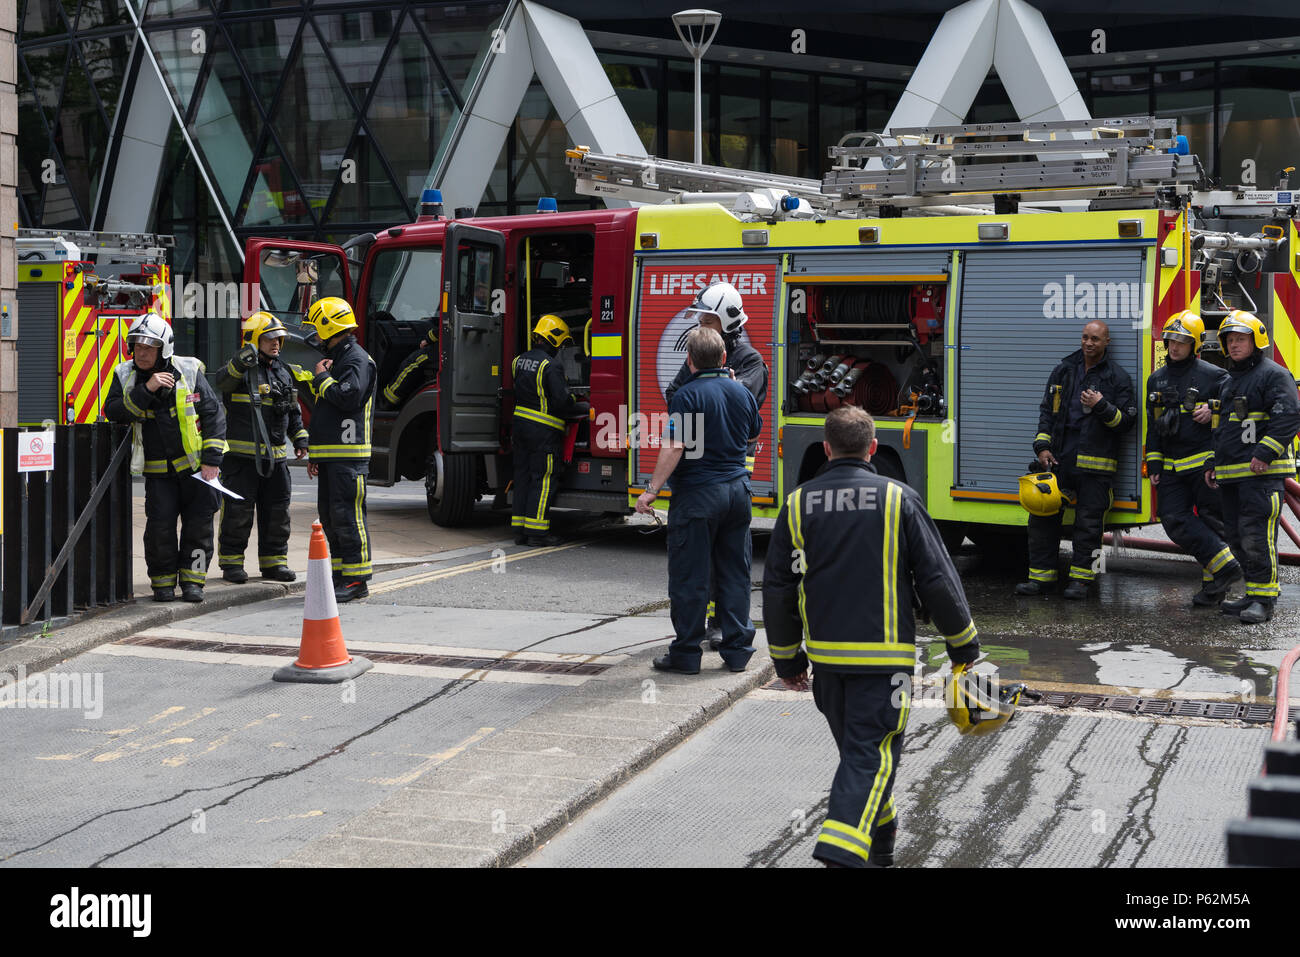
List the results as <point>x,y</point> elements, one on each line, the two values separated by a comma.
<point>553,329</point>
<point>1185,326</point>
<point>1039,494</point>
<point>979,704</point>
<point>1239,320</point>
<point>329,317</point>
<point>262,324</point>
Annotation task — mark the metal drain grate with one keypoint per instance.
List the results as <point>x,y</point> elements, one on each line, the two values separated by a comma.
<point>390,657</point>
<point>1129,704</point>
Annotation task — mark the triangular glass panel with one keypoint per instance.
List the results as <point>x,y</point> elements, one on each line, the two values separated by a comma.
<point>410,111</point>
<point>80,136</point>
<point>106,61</point>
<point>33,157</point>
<point>264,46</point>
<point>180,55</point>
<point>274,199</point>
<point>358,41</point>
<point>46,18</point>
<point>47,67</point>
<point>314,120</point>
<point>365,194</point>
<point>226,125</point>
<point>104,13</point>
<point>60,209</point>
<point>460,35</point>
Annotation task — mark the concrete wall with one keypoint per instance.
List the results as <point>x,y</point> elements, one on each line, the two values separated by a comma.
<point>8,215</point>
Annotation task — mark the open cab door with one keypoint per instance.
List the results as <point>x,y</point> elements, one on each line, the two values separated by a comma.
<point>473,322</point>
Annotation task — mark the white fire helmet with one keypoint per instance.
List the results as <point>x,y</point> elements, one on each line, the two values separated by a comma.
<point>151,330</point>
<point>721,300</point>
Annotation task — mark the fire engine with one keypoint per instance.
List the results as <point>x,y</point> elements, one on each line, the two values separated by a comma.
<point>74,314</point>
<point>933,277</point>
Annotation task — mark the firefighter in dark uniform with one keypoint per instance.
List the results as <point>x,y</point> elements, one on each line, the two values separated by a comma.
<point>1179,444</point>
<point>542,403</point>
<point>849,551</point>
<point>711,421</point>
<point>339,440</point>
<point>1258,417</point>
<point>179,433</point>
<point>261,411</point>
<point>1087,406</point>
<point>414,369</point>
<point>721,309</point>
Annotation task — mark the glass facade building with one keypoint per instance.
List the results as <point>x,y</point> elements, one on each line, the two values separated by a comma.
<point>323,118</point>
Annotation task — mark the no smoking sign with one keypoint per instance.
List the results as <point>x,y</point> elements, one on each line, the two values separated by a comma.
<point>35,451</point>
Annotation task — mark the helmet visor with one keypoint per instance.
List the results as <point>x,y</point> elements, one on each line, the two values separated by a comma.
<point>140,339</point>
<point>1179,337</point>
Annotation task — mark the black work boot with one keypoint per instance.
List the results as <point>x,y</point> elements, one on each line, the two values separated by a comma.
<point>235,575</point>
<point>191,592</point>
<point>165,594</point>
<point>1033,588</point>
<point>1256,612</point>
<point>545,541</point>
<point>1213,591</point>
<point>280,573</point>
<point>1075,590</point>
<point>350,591</point>
<point>1235,606</point>
<point>713,634</point>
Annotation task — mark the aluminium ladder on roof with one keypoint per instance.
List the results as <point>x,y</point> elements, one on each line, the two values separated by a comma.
<point>133,247</point>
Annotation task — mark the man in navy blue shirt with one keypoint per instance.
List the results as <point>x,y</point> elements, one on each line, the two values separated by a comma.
<point>712,420</point>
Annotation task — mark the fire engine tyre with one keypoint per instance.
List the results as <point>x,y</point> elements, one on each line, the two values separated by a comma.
<point>1001,545</point>
<point>450,488</point>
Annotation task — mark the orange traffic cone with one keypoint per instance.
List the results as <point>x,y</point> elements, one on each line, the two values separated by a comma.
<point>322,656</point>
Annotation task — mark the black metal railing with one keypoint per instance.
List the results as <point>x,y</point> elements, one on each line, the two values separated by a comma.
<point>66,543</point>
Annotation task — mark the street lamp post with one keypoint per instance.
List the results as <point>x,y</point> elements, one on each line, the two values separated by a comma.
<point>696,29</point>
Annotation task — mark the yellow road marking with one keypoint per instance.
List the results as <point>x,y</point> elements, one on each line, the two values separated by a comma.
<point>425,577</point>
<point>432,762</point>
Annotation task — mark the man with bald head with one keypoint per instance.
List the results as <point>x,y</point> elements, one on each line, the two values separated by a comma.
<point>1087,406</point>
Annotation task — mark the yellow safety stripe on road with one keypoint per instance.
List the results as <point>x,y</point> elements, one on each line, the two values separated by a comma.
<point>1079,573</point>
<point>534,416</point>
<point>1114,420</point>
<point>1095,463</point>
<point>1190,463</point>
<point>1221,558</point>
<point>884,772</point>
<point>842,835</point>
<point>481,565</point>
<point>1283,466</point>
<point>962,637</point>
<point>1272,443</point>
<point>1042,574</point>
<point>889,563</point>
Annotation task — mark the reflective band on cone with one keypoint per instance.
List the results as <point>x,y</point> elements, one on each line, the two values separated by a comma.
<point>322,656</point>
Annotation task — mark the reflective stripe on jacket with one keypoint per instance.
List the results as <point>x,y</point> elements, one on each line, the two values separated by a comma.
<point>1110,418</point>
<point>182,434</point>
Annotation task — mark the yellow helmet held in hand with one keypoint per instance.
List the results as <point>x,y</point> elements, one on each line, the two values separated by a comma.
<point>979,704</point>
<point>1239,320</point>
<point>329,317</point>
<point>261,324</point>
<point>553,329</point>
<point>1185,326</point>
<point>1039,494</point>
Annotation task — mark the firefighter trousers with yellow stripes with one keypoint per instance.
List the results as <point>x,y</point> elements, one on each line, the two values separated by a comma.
<point>168,498</point>
<point>341,503</point>
<point>537,450</point>
<point>1192,516</point>
<point>867,714</point>
<point>1093,493</point>
<point>1251,509</point>
<point>269,497</point>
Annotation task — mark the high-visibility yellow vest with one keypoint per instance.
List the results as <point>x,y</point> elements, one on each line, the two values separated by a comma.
<point>189,371</point>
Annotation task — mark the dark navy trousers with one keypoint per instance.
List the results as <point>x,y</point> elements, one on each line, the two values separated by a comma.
<point>708,533</point>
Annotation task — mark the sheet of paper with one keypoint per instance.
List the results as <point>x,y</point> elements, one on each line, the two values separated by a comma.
<point>216,484</point>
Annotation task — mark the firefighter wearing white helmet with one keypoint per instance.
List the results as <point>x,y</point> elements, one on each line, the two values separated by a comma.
<point>1258,417</point>
<point>1179,444</point>
<point>721,308</point>
<point>179,431</point>
<point>339,441</point>
<point>262,416</point>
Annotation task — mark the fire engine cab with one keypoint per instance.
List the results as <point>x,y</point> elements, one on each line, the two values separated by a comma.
<point>931,278</point>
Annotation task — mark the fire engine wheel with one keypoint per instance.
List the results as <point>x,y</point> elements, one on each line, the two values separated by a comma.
<point>449,488</point>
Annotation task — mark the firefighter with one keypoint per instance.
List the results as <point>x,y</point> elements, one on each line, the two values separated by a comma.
<point>542,403</point>
<point>1087,406</point>
<point>710,421</point>
<point>414,369</point>
<point>179,432</point>
<point>1258,417</point>
<point>339,440</point>
<point>721,308</point>
<point>261,411</point>
<point>849,551</point>
<point>1179,444</point>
